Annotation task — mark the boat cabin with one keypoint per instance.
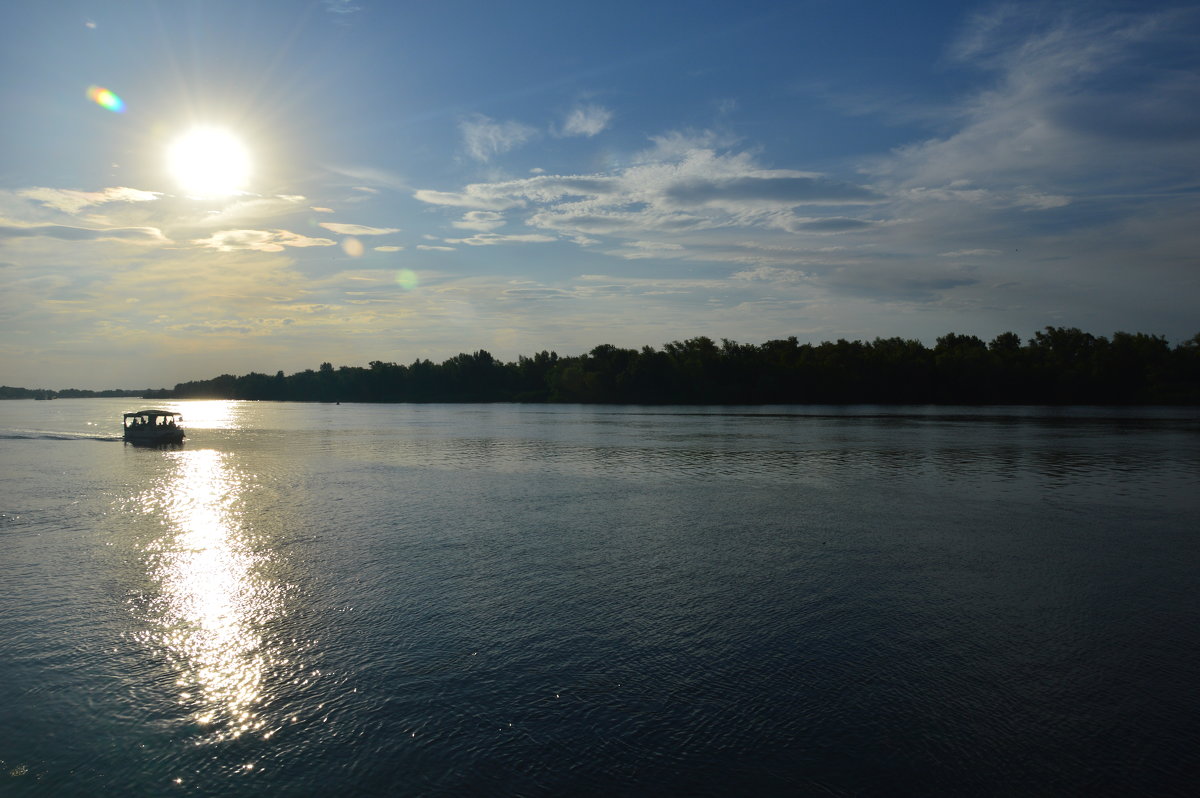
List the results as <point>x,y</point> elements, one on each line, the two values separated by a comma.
<point>153,426</point>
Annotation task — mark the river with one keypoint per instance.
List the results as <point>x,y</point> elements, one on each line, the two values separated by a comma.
<point>359,600</point>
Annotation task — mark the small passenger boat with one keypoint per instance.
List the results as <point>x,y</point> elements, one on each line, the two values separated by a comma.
<point>153,427</point>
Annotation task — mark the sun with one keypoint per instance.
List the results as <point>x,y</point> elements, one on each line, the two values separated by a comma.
<point>209,162</point>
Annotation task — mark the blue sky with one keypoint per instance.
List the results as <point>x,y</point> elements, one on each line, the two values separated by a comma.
<point>428,178</point>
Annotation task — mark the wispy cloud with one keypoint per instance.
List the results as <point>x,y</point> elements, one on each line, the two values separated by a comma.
<point>1047,128</point>
<point>483,221</point>
<point>259,240</point>
<point>357,229</point>
<point>464,199</point>
<point>536,294</point>
<point>71,201</point>
<point>341,8</point>
<point>130,235</point>
<point>586,120</point>
<point>770,188</point>
<point>970,253</point>
<point>485,138</point>
<point>491,239</point>
<point>672,190</point>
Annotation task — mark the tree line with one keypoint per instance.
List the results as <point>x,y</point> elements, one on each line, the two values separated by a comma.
<point>9,392</point>
<point>1056,366</point>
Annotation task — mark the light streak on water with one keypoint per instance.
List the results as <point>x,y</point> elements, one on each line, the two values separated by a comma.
<point>213,597</point>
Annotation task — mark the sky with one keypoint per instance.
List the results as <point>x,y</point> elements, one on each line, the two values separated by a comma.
<point>195,188</point>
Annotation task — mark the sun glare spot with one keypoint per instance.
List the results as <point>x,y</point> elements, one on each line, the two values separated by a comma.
<point>209,162</point>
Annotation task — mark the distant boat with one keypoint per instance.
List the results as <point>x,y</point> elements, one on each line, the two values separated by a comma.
<point>153,427</point>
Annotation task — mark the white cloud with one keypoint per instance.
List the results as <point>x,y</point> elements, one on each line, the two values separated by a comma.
<point>682,190</point>
<point>771,274</point>
<point>491,239</point>
<point>482,221</point>
<point>388,249</point>
<point>1083,103</point>
<point>357,229</point>
<point>484,137</point>
<point>678,144</point>
<point>434,248</point>
<point>586,120</point>
<point>1037,200</point>
<point>71,201</point>
<point>643,250</point>
<point>655,245</point>
<point>530,294</point>
<point>131,235</point>
<point>970,253</point>
<point>259,240</point>
<point>464,199</point>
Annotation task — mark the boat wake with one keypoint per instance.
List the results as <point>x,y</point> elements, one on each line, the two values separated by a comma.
<point>40,435</point>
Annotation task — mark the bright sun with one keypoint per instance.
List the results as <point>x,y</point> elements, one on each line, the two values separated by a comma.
<point>209,162</point>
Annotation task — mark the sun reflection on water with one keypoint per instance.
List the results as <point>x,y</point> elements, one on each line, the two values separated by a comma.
<point>210,414</point>
<point>214,595</point>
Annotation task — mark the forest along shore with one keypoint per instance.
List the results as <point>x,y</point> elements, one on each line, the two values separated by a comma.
<point>1056,366</point>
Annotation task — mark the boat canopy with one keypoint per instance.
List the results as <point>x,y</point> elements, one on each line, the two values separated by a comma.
<point>153,414</point>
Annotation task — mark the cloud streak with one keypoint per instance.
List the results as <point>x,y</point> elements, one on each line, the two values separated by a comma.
<point>259,241</point>
<point>492,239</point>
<point>484,138</point>
<point>72,201</point>
<point>130,235</point>
<point>357,229</point>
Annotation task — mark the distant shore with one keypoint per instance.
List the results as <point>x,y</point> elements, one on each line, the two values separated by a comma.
<point>7,392</point>
<point>1056,366</point>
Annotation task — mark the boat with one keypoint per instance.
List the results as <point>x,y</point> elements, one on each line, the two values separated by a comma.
<point>153,427</point>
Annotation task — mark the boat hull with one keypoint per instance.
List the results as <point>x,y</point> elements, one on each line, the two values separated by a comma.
<point>153,437</point>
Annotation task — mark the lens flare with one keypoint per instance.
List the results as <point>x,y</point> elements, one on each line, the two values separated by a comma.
<point>406,279</point>
<point>106,99</point>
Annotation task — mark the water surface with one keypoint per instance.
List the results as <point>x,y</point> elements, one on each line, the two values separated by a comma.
<point>552,600</point>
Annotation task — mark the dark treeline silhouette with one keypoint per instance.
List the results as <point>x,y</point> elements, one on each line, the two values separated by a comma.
<point>7,392</point>
<point>1056,366</point>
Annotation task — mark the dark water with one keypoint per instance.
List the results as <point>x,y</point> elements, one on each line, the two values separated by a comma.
<point>505,600</point>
